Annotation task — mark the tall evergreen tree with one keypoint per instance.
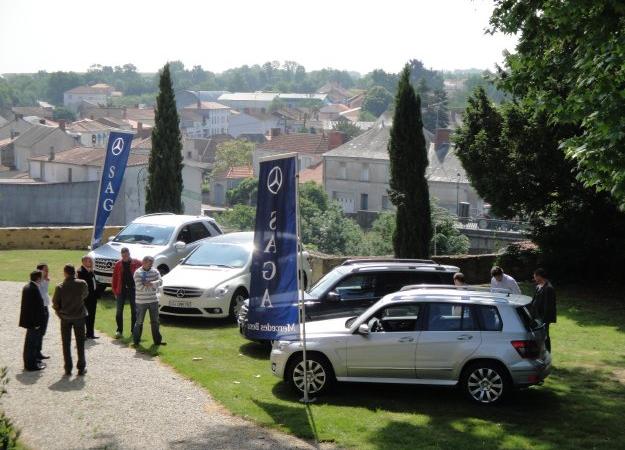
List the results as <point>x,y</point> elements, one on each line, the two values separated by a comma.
<point>164,188</point>
<point>408,162</point>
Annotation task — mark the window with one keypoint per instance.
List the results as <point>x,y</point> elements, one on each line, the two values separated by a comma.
<point>364,172</point>
<point>451,317</point>
<point>357,287</point>
<point>364,202</point>
<point>198,231</point>
<point>399,318</point>
<point>342,171</point>
<point>386,204</point>
<point>490,318</point>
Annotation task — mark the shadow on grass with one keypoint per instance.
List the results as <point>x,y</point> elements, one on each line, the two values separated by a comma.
<point>576,408</point>
<point>256,350</point>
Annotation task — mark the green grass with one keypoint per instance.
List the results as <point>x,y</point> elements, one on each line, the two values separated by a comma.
<point>581,405</point>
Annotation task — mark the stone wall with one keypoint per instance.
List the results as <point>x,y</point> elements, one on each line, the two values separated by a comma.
<point>67,238</point>
<point>476,268</point>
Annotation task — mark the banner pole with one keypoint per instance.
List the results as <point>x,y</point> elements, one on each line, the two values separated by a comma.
<point>300,288</point>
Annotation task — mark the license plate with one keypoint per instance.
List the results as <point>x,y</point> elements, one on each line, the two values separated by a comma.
<point>180,304</point>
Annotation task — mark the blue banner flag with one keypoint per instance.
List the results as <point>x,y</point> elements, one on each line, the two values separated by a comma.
<point>273,310</point>
<point>117,152</point>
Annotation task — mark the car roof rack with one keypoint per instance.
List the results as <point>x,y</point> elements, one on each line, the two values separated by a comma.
<point>411,287</point>
<point>352,261</point>
<point>159,214</point>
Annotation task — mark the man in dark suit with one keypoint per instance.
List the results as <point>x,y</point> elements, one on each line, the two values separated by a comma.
<point>544,302</point>
<point>86,273</point>
<point>32,318</point>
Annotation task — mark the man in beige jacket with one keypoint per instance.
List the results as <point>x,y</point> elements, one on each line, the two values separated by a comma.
<point>69,303</point>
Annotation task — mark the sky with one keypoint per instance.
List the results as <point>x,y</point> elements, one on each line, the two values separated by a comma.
<point>350,35</point>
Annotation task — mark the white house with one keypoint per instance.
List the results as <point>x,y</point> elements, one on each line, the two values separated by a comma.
<point>90,133</point>
<point>98,94</point>
<point>35,141</point>
<point>204,119</point>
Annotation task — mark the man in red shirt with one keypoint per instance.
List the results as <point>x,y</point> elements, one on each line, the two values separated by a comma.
<point>123,285</point>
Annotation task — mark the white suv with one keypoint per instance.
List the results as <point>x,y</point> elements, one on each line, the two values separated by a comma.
<point>214,280</point>
<point>485,342</point>
<point>166,237</point>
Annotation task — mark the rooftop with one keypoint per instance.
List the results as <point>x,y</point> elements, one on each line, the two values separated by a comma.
<point>85,156</point>
<point>95,89</point>
<point>313,173</point>
<point>315,143</point>
<point>236,173</point>
<point>35,134</point>
<point>206,105</point>
<point>88,126</point>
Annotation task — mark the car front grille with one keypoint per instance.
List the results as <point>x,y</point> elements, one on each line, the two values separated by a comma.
<point>105,265</point>
<point>174,310</point>
<point>182,292</point>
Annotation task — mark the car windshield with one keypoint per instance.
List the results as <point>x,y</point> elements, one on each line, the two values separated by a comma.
<point>220,255</point>
<point>319,289</point>
<point>144,233</point>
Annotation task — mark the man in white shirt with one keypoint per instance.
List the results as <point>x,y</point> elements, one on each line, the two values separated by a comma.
<point>501,280</point>
<point>43,289</point>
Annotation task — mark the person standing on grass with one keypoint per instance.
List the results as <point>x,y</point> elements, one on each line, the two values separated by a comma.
<point>123,286</point>
<point>43,289</point>
<point>69,303</point>
<point>543,304</point>
<point>32,318</point>
<point>86,273</point>
<point>147,281</point>
<point>501,280</point>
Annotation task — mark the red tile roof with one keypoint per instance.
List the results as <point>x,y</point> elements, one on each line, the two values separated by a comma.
<point>314,143</point>
<point>312,173</point>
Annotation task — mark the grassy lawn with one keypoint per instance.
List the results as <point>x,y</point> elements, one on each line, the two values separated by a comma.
<point>581,405</point>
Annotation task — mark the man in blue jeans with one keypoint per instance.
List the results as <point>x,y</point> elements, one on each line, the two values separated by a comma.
<point>123,286</point>
<point>147,282</point>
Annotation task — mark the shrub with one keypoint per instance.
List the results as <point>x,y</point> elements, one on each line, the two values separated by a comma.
<point>8,434</point>
<point>520,259</point>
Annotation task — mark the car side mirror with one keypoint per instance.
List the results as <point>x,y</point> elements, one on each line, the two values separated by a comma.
<point>180,246</point>
<point>180,260</point>
<point>111,238</point>
<point>333,296</point>
<point>363,329</point>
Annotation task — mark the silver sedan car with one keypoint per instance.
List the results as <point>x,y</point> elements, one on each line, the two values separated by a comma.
<point>486,342</point>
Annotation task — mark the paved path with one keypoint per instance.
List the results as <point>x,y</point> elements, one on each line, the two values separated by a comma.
<point>144,405</point>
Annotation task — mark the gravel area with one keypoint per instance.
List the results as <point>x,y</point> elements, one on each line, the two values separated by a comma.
<point>127,400</point>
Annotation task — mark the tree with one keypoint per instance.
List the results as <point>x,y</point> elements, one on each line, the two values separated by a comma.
<point>408,186</point>
<point>377,100</point>
<point>61,113</point>
<point>569,65</point>
<point>245,193</point>
<point>233,153</point>
<point>513,157</point>
<point>164,188</point>
<point>347,128</point>
<point>447,239</point>
<point>436,114</point>
<point>239,218</point>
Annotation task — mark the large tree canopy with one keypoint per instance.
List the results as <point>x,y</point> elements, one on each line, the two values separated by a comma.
<point>570,64</point>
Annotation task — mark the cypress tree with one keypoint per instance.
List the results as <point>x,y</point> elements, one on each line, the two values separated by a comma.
<point>408,162</point>
<point>164,188</point>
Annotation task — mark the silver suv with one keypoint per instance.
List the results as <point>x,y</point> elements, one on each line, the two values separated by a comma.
<point>166,237</point>
<point>485,342</point>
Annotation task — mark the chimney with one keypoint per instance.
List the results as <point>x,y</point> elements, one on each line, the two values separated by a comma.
<point>139,128</point>
<point>335,139</point>
<point>124,113</point>
<point>62,124</point>
<point>441,136</point>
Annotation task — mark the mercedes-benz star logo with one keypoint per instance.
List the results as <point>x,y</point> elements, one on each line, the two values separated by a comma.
<point>274,180</point>
<point>180,293</point>
<point>109,265</point>
<point>118,146</point>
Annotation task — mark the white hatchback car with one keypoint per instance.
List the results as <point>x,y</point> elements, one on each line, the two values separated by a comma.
<point>214,280</point>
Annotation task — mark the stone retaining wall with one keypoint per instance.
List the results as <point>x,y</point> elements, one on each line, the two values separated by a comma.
<point>476,268</point>
<point>65,238</point>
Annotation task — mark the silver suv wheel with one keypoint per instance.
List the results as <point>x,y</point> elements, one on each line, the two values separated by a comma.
<point>485,383</point>
<point>316,376</point>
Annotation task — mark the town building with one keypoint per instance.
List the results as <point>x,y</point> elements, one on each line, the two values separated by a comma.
<point>335,92</point>
<point>356,174</point>
<point>204,119</point>
<point>90,133</point>
<point>185,97</point>
<point>98,94</point>
<point>262,100</point>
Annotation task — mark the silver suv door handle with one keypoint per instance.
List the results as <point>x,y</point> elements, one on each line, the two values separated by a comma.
<point>406,339</point>
<point>465,337</point>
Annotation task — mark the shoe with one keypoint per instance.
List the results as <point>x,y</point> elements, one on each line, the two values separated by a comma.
<point>40,357</point>
<point>94,337</point>
<point>68,373</point>
<point>162,343</point>
<point>39,366</point>
<point>82,372</point>
<point>118,335</point>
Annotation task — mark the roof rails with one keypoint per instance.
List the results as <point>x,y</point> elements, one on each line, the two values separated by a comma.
<point>159,214</point>
<point>350,262</point>
<point>458,288</point>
